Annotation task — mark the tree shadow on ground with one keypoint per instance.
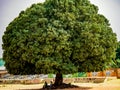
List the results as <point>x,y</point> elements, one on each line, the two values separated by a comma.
<point>62,87</point>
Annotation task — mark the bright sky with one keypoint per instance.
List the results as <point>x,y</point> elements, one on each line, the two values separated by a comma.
<point>9,9</point>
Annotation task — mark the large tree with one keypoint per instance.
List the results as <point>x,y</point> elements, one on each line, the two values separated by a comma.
<point>59,36</point>
<point>116,62</point>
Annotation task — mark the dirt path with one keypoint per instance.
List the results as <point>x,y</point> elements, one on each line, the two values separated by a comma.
<point>108,85</point>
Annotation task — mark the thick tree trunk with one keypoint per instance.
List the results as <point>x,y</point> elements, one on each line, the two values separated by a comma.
<point>58,79</point>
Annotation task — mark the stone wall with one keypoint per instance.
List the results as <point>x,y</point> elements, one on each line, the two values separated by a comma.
<point>79,80</point>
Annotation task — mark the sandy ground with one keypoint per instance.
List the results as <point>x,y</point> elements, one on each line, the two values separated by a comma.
<point>108,85</point>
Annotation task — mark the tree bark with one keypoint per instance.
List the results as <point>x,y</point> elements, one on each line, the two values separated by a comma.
<point>58,79</point>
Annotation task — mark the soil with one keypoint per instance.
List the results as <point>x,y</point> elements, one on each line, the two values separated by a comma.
<point>108,85</point>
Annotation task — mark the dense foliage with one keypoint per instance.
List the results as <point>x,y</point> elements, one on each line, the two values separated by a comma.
<point>59,35</point>
<point>116,62</point>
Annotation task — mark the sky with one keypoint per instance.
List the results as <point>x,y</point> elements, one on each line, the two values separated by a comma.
<point>9,9</point>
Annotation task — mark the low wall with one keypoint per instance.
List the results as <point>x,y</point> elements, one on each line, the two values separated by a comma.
<point>65,80</point>
<point>80,80</point>
<point>3,72</point>
<point>11,81</point>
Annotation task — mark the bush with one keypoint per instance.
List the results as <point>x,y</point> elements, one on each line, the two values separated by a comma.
<point>82,74</point>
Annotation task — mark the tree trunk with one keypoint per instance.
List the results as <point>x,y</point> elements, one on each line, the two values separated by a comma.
<point>58,79</point>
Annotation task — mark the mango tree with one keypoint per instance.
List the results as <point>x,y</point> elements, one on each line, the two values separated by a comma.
<point>59,36</point>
